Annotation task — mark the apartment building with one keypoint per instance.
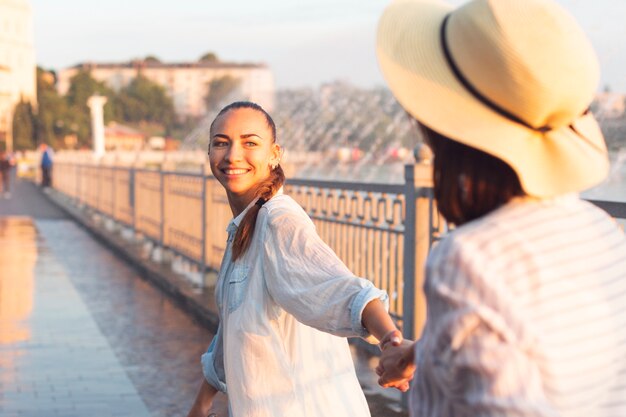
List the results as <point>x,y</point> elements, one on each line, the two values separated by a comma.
<point>18,71</point>
<point>187,83</point>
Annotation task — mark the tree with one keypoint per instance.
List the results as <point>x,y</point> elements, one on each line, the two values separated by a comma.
<point>219,89</point>
<point>144,100</point>
<point>83,86</point>
<point>52,109</point>
<point>209,57</point>
<point>152,59</point>
<point>78,116</point>
<point>23,126</point>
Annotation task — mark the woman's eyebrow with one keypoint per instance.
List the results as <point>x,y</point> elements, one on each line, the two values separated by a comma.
<point>249,135</point>
<point>244,136</point>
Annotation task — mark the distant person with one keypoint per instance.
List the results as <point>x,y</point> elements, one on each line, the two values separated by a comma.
<point>527,296</point>
<point>286,302</point>
<point>6,164</point>
<point>46,165</point>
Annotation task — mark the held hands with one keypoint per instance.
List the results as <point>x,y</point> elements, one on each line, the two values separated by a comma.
<point>397,365</point>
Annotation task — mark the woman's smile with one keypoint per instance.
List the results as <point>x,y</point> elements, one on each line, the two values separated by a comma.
<point>235,172</point>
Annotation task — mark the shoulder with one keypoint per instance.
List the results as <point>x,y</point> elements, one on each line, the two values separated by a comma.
<point>474,245</point>
<point>520,231</point>
<point>282,210</point>
<point>285,207</point>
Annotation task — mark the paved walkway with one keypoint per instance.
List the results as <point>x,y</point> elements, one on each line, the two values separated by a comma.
<point>82,334</point>
<point>54,360</point>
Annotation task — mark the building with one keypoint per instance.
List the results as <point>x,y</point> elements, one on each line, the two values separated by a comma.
<point>18,70</point>
<point>118,137</point>
<point>186,83</point>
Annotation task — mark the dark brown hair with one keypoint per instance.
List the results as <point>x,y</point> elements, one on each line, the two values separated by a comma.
<point>265,190</point>
<point>468,183</point>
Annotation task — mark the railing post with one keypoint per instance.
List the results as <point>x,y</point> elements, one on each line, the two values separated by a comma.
<point>408,303</point>
<point>417,239</point>
<point>418,232</point>
<point>77,176</point>
<point>113,193</point>
<point>162,191</point>
<point>423,231</point>
<point>131,197</point>
<point>99,178</point>
<point>203,267</point>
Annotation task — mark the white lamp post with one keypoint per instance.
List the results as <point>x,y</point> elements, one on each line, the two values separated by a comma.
<point>96,104</point>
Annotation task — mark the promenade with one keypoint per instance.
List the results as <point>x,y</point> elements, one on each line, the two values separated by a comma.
<point>82,333</point>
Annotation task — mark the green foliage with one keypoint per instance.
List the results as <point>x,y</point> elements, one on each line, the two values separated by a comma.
<point>209,57</point>
<point>144,100</point>
<point>23,126</point>
<point>152,59</point>
<point>83,86</point>
<point>78,117</point>
<point>52,111</point>
<point>219,90</point>
<point>183,127</point>
<point>142,103</point>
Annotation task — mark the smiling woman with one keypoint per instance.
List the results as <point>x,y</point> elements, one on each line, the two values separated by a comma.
<point>242,150</point>
<point>286,302</point>
<point>245,159</point>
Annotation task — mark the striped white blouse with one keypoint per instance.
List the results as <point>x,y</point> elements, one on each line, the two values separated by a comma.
<point>526,316</point>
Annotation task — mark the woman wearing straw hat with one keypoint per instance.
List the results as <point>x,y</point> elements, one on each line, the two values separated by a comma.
<point>527,297</point>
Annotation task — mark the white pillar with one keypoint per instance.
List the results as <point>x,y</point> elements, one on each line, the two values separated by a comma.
<point>96,104</point>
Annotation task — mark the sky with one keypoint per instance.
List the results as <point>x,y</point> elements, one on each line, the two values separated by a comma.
<point>304,42</point>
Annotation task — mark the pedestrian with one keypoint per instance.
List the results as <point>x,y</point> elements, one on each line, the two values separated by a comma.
<point>6,163</point>
<point>46,165</point>
<point>286,302</point>
<point>526,297</point>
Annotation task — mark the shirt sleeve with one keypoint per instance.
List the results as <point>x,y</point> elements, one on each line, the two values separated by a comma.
<point>213,363</point>
<point>473,350</point>
<point>306,278</point>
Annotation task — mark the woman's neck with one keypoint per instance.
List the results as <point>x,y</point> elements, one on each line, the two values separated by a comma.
<point>238,203</point>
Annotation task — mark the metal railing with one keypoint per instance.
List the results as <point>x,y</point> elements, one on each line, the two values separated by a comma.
<point>382,232</point>
<point>370,226</point>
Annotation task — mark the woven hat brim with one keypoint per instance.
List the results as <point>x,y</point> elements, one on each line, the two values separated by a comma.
<point>413,63</point>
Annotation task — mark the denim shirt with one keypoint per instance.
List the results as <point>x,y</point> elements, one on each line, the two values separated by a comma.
<point>286,306</point>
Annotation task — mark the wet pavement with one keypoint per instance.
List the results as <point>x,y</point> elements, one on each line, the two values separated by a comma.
<point>54,359</point>
<point>82,334</point>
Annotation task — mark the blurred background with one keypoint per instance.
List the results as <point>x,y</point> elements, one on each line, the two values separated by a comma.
<point>167,67</point>
<point>120,94</point>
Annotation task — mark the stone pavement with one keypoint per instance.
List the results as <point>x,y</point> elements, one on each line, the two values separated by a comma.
<point>82,334</point>
<point>54,359</point>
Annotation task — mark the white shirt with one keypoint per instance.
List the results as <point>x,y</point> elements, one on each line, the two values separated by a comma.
<point>282,306</point>
<point>526,316</point>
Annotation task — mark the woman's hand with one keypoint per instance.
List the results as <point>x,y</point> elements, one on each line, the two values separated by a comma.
<point>397,366</point>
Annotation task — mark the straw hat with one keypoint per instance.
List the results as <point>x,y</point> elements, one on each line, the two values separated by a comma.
<point>513,78</point>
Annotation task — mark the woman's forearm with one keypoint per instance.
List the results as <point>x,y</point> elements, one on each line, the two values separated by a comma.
<point>377,321</point>
<point>204,400</point>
